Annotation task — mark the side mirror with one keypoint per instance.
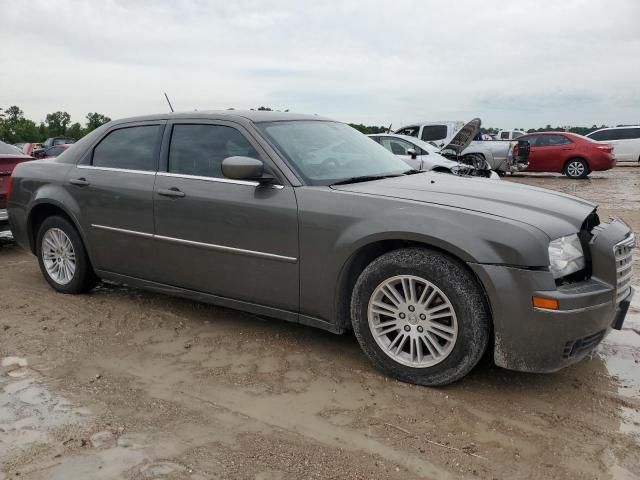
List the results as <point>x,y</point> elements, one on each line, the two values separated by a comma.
<point>245,168</point>
<point>412,153</point>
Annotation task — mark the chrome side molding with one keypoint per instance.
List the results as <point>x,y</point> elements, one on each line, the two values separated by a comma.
<point>210,246</point>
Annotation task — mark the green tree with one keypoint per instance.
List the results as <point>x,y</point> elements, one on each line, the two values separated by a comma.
<point>57,123</point>
<point>13,114</point>
<point>75,131</point>
<point>15,128</point>
<point>95,120</point>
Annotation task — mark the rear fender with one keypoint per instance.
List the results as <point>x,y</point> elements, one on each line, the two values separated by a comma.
<point>56,196</point>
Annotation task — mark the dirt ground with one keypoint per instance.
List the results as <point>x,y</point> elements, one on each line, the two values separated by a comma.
<point>123,383</point>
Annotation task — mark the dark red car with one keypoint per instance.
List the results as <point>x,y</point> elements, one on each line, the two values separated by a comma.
<point>574,155</point>
<point>10,156</point>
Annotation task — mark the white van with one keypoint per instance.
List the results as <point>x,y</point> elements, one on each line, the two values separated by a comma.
<point>625,141</point>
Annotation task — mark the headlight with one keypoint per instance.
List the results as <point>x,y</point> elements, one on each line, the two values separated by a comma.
<point>565,256</point>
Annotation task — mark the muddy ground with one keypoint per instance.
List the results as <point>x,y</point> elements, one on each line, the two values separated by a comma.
<point>123,383</point>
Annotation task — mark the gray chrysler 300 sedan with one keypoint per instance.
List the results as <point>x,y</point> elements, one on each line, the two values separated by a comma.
<point>305,219</point>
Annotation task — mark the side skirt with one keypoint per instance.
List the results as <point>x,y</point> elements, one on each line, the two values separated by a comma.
<point>249,307</point>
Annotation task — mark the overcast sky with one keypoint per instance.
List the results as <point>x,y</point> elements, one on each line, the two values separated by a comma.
<point>512,63</point>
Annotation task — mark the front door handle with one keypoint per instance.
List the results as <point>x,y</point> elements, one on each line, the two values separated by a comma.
<point>81,182</point>
<point>171,192</point>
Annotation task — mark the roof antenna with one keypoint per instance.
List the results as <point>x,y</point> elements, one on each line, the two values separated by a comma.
<point>168,101</point>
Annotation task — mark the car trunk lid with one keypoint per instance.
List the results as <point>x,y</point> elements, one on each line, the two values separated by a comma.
<point>7,163</point>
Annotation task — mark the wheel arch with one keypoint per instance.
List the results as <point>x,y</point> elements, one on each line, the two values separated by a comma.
<point>43,209</point>
<point>366,254</point>
<point>576,157</point>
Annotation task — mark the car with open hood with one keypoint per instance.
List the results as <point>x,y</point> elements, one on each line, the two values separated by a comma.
<point>426,157</point>
<point>464,141</point>
<point>304,219</point>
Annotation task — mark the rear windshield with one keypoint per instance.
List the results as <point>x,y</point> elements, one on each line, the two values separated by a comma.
<point>6,149</point>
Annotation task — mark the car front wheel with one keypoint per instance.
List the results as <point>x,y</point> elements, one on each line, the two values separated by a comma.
<point>576,168</point>
<point>420,316</point>
<point>62,257</point>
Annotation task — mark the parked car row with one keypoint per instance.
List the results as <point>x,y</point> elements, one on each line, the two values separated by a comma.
<point>575,156</point>
<point>305,219</point>
<point>497,153</point>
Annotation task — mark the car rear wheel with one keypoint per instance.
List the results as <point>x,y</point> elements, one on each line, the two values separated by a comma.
<point>576,168</point>
<point>420,316</point>
<point>62,257</point>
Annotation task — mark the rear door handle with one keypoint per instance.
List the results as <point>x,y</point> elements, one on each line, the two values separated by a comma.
<point>171,192</point>
<point>81,182</point>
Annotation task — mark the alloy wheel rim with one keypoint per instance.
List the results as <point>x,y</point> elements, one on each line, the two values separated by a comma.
<point>58,256</point>
<point>412,321</point>
<point>575,169</point>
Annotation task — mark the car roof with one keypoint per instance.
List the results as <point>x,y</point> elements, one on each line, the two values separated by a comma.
<point>614,128</point>
<point>571,134</point>
<point>396,135</point>
<point>255,116</point>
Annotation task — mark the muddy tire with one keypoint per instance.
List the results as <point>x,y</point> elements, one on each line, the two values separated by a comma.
<point>576,168</point>
<point>62,257</point>
<point>420,316</point>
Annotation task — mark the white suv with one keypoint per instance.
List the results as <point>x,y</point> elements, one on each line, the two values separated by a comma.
<point>625,141</point>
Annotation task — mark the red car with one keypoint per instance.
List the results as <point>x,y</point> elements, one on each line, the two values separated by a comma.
<point>10,156</point>
<point>574,155</point>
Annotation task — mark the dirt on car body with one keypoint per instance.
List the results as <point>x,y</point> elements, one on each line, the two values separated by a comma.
<point>128,384</point>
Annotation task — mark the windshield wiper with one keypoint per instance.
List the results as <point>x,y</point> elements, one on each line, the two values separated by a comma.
<point>364,178</point>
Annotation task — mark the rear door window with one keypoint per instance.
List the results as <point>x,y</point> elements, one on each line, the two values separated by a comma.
<point>629,133</point>
<point>431,133</point>
<point>532,139</point>
<point>199,150</point>
<point>131,148</point>
<point>602,135</point>
<point>552,140</point>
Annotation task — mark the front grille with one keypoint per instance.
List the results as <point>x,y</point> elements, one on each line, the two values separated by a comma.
<point>623,252</point>
<point>575,347</point>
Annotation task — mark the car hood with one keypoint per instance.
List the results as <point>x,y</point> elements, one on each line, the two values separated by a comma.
<point>463,138</point>
<point>556,214</point>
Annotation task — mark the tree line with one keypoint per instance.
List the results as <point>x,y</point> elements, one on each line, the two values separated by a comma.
<point>15,128</point>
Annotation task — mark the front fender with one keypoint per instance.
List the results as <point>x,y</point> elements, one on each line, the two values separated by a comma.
<point>334,229</point>
<point>470,236</point>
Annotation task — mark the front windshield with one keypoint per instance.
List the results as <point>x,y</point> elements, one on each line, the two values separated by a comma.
<point>325,152</point>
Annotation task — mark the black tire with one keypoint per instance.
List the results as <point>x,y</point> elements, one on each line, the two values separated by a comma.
<point>463,291</point>
<point>576,168</point>
<point>84,278</point>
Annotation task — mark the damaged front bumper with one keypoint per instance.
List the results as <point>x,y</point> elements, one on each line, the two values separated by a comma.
<point>540,340</point>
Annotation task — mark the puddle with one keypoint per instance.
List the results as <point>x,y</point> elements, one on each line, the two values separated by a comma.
<point>28,410</point>
<point>621,354</point>
<point>620,351</point>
